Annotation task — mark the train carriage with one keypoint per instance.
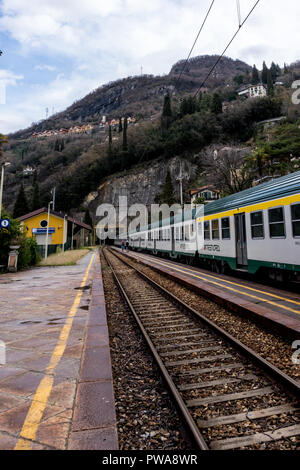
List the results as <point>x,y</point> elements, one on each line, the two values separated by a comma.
<point>255,230</point>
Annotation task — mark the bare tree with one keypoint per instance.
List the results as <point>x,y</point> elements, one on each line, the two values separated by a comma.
<point>225,168</point>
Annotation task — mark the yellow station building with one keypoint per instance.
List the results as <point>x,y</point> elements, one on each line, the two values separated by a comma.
<point>63,232</point>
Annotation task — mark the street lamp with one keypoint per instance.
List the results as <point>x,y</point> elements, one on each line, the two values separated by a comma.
<point>48,221</point>
<point>3,165</point>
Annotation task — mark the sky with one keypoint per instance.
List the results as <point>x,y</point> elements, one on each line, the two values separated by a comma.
<point>57,51</point>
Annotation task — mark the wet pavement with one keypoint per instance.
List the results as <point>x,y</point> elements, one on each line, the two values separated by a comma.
<point>43,318</point>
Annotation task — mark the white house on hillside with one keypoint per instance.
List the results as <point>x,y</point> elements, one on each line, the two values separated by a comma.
<point>254,91</point>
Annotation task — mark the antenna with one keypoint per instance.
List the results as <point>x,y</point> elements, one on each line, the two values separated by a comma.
<point>47,112</point>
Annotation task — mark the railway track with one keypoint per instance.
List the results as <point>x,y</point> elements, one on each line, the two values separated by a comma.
<point>230,397</point>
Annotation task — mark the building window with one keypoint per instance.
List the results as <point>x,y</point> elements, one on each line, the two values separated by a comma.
<point>257,225</point>
<point>43,223</point>
<point>276,223</point>
<point>215,229</point>
<point>207,230</point>
<point>296,220</point>
<point>226,228</point>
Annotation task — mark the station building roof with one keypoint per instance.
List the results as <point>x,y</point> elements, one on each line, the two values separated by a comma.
<point>57,214</point>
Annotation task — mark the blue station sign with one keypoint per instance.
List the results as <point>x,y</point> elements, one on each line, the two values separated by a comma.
<point>43,231</point>
<point>4,223</point>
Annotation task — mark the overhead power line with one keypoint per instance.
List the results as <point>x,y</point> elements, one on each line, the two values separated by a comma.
<point>226,48</point>
<point>197,37</point>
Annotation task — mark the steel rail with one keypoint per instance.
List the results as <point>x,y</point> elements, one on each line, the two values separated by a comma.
<point>290,384</point>
<point>192,426</point>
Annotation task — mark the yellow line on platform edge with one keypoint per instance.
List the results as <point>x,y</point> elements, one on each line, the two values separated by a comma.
<point>40,399</point>
<point>191,273</point>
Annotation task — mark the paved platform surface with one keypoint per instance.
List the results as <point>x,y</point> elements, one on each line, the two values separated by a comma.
<point>275,308</point>
<point>56,387</point>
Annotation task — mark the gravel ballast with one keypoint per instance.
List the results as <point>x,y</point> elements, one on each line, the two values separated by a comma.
<point>147,418</point>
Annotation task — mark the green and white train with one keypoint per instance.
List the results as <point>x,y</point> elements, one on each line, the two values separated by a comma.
<point>256,230</point>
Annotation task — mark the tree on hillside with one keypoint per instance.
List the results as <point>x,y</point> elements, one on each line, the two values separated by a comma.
<point>125,144</point>
<point>109,140</point>
<point>239,79</point>
<point>36,203</point>
<point>120,125</point>
<point>274,71</point>
<point>87,218</point>
<point>166,117</point>
<point>264,74</point>
<point>270,84</point>
<point>255,76</point>
<point>21,204</point>
<point>216,105</point>
<point>3,140</point>
<point>167,194</point>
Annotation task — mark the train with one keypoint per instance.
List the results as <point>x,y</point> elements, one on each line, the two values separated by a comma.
<point>255,231</point>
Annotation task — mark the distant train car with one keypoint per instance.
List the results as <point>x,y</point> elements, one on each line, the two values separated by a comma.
<point>256,230</point>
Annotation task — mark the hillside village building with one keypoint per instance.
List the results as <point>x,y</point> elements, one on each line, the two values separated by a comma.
<point>207,193</point>
<point>254,91</point>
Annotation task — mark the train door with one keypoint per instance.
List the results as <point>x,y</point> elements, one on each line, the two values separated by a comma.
<point>173,239</point>
<point>241,240</point>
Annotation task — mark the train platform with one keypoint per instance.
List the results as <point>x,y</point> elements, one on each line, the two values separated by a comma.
<point>274,308</point>
<point>56,386</point>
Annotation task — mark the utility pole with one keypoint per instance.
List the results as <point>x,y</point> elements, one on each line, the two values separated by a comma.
<point>47,235</point>
<point>53,191</point>
<point>2,184</point>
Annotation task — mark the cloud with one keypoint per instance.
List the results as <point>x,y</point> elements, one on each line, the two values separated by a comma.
<point>7,77</point>
<point>97,41</point>
<point>50,68</point>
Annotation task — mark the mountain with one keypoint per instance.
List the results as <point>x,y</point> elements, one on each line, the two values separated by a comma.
<point>141,96</point>
<point>72,152</point>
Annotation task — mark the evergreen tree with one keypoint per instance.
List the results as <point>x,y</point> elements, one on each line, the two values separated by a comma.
<point>216,105</point>
<point>167,194</point>
<point>21,205</point>
<point>167,113</point>
<point>285,69</point>
<point>109,140</point>
<point>87,218</point>
<point>120,125</point>
<point>255,75</point>
<point>125,145</point>
<point>274,71</point>
<point>270,84</point>
<point>206,102</point>
<point>36,203</point>
<point>264,74</point>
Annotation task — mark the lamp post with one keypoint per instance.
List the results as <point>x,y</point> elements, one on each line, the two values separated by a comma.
<point>48,221</point>
<point>3,165</point>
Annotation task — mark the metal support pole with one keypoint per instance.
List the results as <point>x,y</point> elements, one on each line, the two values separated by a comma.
<point>2,184</point>
<point>72,247</point>
<point>47,235</point>
<point>1,188</point>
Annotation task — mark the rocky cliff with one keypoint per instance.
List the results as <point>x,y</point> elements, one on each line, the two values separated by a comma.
<point>142,184</point>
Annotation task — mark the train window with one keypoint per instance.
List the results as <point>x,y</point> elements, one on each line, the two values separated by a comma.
<point>215,229</point>
<point>226,228</point>
<point>276,223</point>
<point>206,230</point>
<point>296,220</point>
<point>257,225</point>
